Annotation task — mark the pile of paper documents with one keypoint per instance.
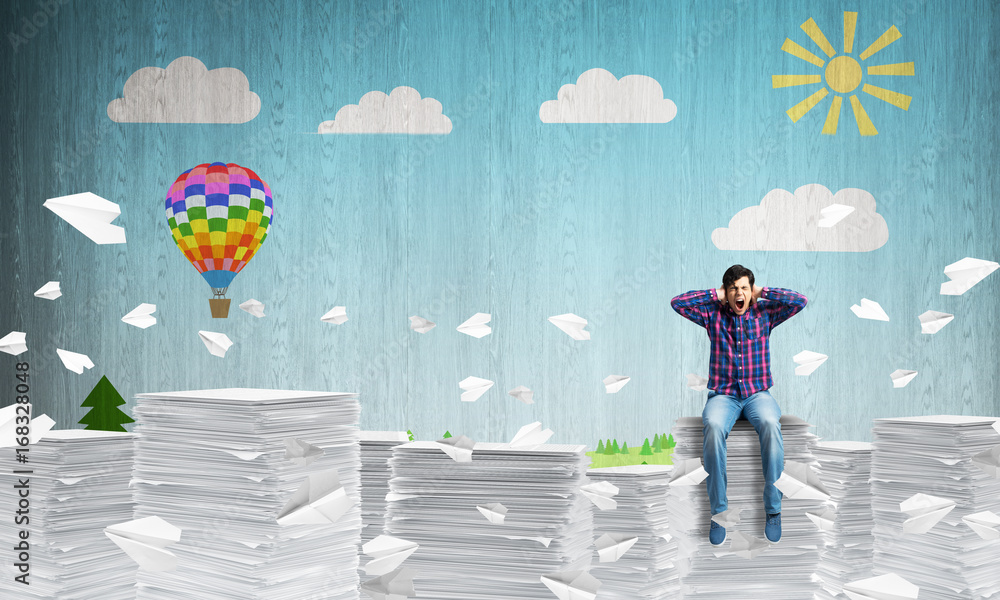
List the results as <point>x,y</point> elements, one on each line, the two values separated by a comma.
<point>935,493</point>
<point>492,527</point>
<point>376,450</point>
<point>635,555</point>
<point>264,485</point>
<point>78,486</point>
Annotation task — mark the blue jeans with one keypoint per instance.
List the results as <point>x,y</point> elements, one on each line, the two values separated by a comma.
<point>720,414</point>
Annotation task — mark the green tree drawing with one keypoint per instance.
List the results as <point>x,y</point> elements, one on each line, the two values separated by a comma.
<point>409,434</point>
<point>646,449</point>
<point>615,448</point>
<point>607,448</point>
<point>624,449</point>
<point>657,443</point>
<point>670,441</point>
<point>447,434</point>
<point>600,446</point>
<point>103,402</point>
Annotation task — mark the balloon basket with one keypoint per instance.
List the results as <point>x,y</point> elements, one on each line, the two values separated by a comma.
<point>220,307</point>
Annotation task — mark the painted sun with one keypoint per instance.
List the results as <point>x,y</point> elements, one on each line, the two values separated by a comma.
<point>843,75</point>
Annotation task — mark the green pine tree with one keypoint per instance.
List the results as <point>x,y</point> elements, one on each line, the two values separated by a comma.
<point>608,450</point>
<point>447,434</point>
<point>624,448</point>
<point>657,443</point>
<point>643,462</point>
<point>670,441</point>
<point>646,449</point>
<point>600,446</point>
<point>104,415</point>
<point>615,449</point>
<point>409,434</point>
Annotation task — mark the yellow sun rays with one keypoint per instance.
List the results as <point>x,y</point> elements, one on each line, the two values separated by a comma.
<point>843,75</point>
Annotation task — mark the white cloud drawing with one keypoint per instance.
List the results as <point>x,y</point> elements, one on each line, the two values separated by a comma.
<point>787,221</point>
<point>402,111</point>
<point>598,97</point>
<point>185,92</point>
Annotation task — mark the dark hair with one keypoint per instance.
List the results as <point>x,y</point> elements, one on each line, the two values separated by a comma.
<point>736,272</point>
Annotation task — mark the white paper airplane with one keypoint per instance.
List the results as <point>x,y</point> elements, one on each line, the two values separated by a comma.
<point>688,472</point>
<point>800,482</point>
<point>728,518</point>
<point>319,500</point>
<point>217,343</point>
<point>39,425</point>
<point>141,316</point>
<point>883,587</point>
<point>925,511</point>
<point>602,494</point>
<point>531,435</point>
<point>474,388</point>
<point>523,394</point>
<point>397,585</point>
<point>996,426</point>
<point>833,214</point>
<point>746,546</point>
<point>476,325</point>
<point>901,377</point>
<point>572,325</point>
<point>824,519</point>
<point>613,383</point>
<point>91,215</point>
<point>611,546</point>
<point>572,585</point>
<point>986,524</point>
<point>145,541</point>
<point>336,315</point>
<point>15,343</point>
<point>49,291</point>
<point>697,382</point>
<point>254,307</point>
<point>989,461</point>
<point>458,448</point>
<point>421,325</point>
<point>869,309</point>
<point>966,273</point>
<point>74,362</point>
<point>808,362</point>
<point>933,321</point>
<point>494,512</point>
<point>387,553</point>
<point>301,452</point>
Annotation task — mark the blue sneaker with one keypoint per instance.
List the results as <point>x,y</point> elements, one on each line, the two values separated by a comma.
<point>773,527</point>
<point>717,534</point>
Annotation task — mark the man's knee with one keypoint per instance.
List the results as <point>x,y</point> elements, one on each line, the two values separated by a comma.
<point>715,428</point>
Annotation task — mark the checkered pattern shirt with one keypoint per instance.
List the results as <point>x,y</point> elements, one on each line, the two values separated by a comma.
<point>741,354</point>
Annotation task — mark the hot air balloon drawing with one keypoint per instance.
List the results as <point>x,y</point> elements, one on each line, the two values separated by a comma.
<point>219,215</point>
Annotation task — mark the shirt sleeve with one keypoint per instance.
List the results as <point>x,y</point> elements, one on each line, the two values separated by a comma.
<point>780,304</point>
<point>695,305</point>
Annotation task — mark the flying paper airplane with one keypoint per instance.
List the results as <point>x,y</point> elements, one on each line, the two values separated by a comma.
<point>901,377</point>
<point>884,587</point>
<point>925,511</point>
<point>387,553</point>
<point>320,500</point>
<point>697,382</point>
<point>728,518</point>
<point>494,511</point>
<point>49,291</point>
<point>15,343</point>
<point>145,541</point>
<point>421,325</point>
<point>746,546</point>
<point>458,448</point>
<point>217,343</point>
<point>611,546</point>
<point>474,388</point>
<point>986,524</point>
<point>572,325</point>
<point>869,309</point>
<point>688,472</point>
<point>572,585</point>
<point>823,519</point>
<point>602,494</point>
<point>336,315</point>
<point>799,482</point>
<point>141,316</point>
<point>300,452</point>
<point>933,321</point>
<point>254,307</point>
<point>476,325</point>
<point>989,461</point>
<point>808,361</point>
<point>966,273</point>
<point>613,383</point>
<point>531,435</point>
<point>397,585</point>
<point>523,394</point>
<point>74,362</point>
<point>833,214</point>
<point>39,425</point>
<point>91,215</point>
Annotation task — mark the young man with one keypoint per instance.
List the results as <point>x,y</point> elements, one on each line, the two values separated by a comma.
<point>739,318</point>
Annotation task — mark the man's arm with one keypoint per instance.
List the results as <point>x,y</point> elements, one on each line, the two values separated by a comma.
<point>780,304</point>
<point>695,305</point>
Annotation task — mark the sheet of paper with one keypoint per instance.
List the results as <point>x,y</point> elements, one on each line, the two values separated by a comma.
<point>572,325</point>
<point>217,343</point>
<point>458,448</point>
<point>925,512</point>
<point>746,546</point>
<point>530,435</point>
<point>800,482</point>
<point>494,512</point>
<point>601,494</point>
<point>824,519</point>
<point>91,215</point>
<point>833,214</point>
<point>141,316</point>
<point>476,325</point>
<point>523,394</point>
<point>474,388</point>
<point>319,500</point>
<point>301,452</point>
<point>572,585</point>
<point>728,518</point>
<point>421,325</point>
<point>145,541</point>
<point>966,273</point>
<point>808,362</point>
<point>697,382</point>
<point>49,291</point>
<point>254,307</point>
<point>73,361</point>
<point>336,315</point>
<point>901,377</point>
<point>39,425</point>
<point>612,546</point>
<point>614,383</point>
<point>869,309</point>
<point>884,587</point>
<point>15,342</point>
<point>688,472</point>
<point>397,585</point>
<point>989,461</point>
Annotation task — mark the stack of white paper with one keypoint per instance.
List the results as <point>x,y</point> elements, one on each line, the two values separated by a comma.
<point>635,556</point>
<point>846,523</point>
<point>376,450</point>
<point>78,486</point>
<point>264,514</point>
<point>465,555</point>
<point>935,457</point>
<point>776,571</point>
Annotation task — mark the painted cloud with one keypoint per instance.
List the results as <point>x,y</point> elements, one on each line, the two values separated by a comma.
<point>597,97</point>
<point>402,111</point>
<point>787,221</point>
<point>185,92</point>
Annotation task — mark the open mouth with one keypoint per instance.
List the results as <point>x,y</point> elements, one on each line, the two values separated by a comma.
<point>740,302</point>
